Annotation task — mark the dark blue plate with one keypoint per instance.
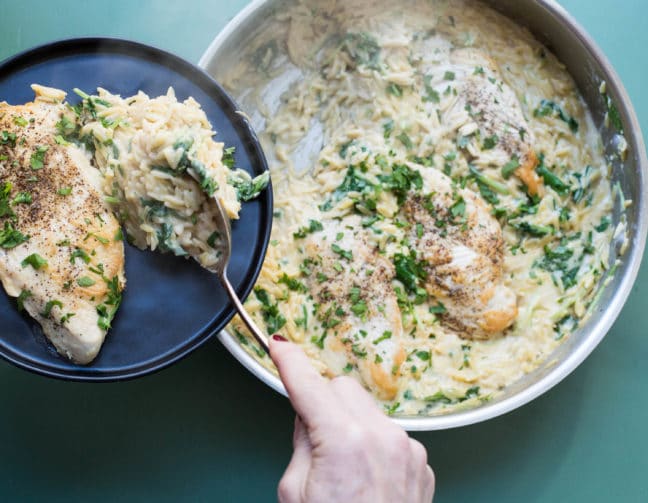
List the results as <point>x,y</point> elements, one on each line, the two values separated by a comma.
<point>170,305</point>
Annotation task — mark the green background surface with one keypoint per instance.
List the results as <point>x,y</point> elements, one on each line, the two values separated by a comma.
<point>205,429</point>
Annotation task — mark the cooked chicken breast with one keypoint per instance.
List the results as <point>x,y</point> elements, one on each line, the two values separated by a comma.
<point>486,104</point>
<point>461,245</point>
<point>358,309</point>
<point>61,251</point>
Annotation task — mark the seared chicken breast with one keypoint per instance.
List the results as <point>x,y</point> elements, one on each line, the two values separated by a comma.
<point>461,245</point>
<point>61,252</point>
<point>358,309</point>
<point>486,104</point>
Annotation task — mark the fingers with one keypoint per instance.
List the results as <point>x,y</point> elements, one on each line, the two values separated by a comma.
<point>420,476</point>
<point>292,483</point>
<point>355,399</point>
<point>308,391</point>
<point>429,485</point>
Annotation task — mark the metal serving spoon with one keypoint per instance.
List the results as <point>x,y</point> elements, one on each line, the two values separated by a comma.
<point>223,225</point>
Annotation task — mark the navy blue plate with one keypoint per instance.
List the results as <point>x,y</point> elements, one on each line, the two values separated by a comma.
<point>170,305</point>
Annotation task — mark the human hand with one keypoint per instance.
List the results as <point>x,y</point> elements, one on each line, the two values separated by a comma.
<point>345,448</point>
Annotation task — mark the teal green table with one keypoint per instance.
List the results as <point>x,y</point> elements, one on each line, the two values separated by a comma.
<point>205,429</point>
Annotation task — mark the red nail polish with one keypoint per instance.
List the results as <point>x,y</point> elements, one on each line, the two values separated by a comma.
<point>279,338</point>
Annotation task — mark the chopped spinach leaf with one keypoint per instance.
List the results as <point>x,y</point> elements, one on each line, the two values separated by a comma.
<point>548,107</point>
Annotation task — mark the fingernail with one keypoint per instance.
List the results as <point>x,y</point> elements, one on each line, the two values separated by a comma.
<point>279,338</point>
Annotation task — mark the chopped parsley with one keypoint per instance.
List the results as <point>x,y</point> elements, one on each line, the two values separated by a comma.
<point>66,128</point>
<point>10,237</point>
<point>293,284</point>
<point>490,142</point>
<point>270,311</point>
<point>410,271</point>
<point>34,260</point>
<point>85,281</point>
<point>22,198</point>
<point>353,182</point>
<point>79,253</point>
<point>347,254</point>
<point>401,180</point>
<point>359,308</point>
<point>64,191</point>
<point>8,138</point>
<point>37,158</point>
<point>438,309</point>
<point>20,300</point>
<point>49,306</point>
<point>108,308</point>
<point>424,355</point>
<point>20,121</point>
<point>5,208</point>
<point>313,226</point>
<point>431,94</point>
<point>385,335</point>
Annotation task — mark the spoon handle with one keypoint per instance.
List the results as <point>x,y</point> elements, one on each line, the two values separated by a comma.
<point>261,338</point>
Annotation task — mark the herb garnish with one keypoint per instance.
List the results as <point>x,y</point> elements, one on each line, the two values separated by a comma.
<point>313,226</point>
<point>85,281</point>
<point>34,260</point>
<point>20,300</point>
<point>48,307</point>
<point>292,283</point>
<point>37,158</point>
<point>363,49</point>
<point>548,107</point>
<point>273,318</point>
<point>10,237</point>
<point>22,198</point>
<point>79,253</point>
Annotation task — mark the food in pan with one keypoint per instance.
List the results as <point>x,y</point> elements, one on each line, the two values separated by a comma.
<point>443,211</point>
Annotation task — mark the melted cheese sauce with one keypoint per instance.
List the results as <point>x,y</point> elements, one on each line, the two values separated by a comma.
<point>375,109</point>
